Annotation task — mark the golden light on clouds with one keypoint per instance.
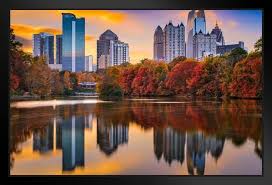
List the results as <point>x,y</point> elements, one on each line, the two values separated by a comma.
<point>27,31</point>
<point>104,15</point>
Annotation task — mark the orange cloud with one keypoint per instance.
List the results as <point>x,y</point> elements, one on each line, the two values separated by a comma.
<point>232,24</point>
<point>26,31</point>
<point>24,34</point>
<point>212,18</point>
<point>104,15</point>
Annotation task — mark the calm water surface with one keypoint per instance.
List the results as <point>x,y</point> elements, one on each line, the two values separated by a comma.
<point>136,136</point>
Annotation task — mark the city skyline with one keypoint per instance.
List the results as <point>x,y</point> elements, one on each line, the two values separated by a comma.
<point>141,24</point>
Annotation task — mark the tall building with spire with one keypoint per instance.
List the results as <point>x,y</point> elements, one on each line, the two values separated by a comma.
<point>158,44</point>
<point>195,22</point>
<point>219,35</point>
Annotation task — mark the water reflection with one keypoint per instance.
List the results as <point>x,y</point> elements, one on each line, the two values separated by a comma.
<point>110,135</point>
<point>184,134</point>
<point>169,143</point>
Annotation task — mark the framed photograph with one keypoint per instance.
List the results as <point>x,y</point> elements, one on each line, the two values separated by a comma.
<point>157,91</point>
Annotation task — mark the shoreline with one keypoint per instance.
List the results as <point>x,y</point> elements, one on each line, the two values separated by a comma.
<point>31,98</point>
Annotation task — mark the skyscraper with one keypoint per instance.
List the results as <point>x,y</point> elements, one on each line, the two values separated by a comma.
<point>174,41</point>
<point>119,53</point>
<point>204,45</point>
<point>111,51</point>
<point>194,27</point>
<point>219,35</point>
<point>199,25</point>
<point>103,47</point>
<point>43,45</point>
<point>73,43</point>
<point>58,49</point>
<point>89,63</point>
<point>158,44</point>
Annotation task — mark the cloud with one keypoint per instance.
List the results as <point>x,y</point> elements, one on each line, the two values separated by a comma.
<point>26,31</point>
<point>24,34</point>
<point>184,14</point>
<point>102,15</point>
<point>89,37</point>
<point>232,24</point>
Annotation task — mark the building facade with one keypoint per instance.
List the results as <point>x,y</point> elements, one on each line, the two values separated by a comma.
<point>119,53</point>
<point>89,63</point>
<point>194,26</point>
<point>158,46</point>
<point>103,48</point>
<point>58,49</point>
<point>221,50</point>
<point>204,45</point>
<point>73,43</point>
<point>199,25</point>
<point>103,62</point>
<point>111,51</point>
<point>220,41</point>
<point>174,41</point>
<point>43,45</point>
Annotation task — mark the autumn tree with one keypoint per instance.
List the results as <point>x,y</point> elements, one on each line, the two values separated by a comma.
<point>236,55</point>
<point>178,76</point>
<point>39,78</point>
<point>56,83</point>
<point>247,78</point>
<point>127,76</point>
<point>19,62</point>
<point>208,77</point>
<point>176,61</point>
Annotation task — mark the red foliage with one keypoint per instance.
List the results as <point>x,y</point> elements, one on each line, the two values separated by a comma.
<point>14,82</point>
<point>247,78</point>
<point>126,79</point>
<point>177,78</point>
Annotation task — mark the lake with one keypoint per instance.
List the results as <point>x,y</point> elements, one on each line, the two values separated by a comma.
<point>138,136</point>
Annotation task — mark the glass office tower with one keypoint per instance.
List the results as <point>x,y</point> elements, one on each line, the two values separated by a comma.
<point>73,43</point>
<point>43,45</point>
<point>196,21</point>
<point>199,25</point>
<point>58,49</point>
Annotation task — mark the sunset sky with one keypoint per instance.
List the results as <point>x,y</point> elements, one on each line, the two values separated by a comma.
<point>135,27</point>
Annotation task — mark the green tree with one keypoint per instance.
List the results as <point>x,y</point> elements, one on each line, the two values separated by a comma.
<point>258,46</point>
<point>236,55</point>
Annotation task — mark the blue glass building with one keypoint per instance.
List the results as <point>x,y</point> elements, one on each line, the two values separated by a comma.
<point>43,45</point>
<point>199,25</point>
<point>73,43</point>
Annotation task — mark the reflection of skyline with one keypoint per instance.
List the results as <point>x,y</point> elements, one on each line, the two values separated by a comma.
<point>110,135</point>
<point>197,146</point>
<point>200,142</point>
<point>43,139</point>
<point>72,143</point>
<point>170,143</point>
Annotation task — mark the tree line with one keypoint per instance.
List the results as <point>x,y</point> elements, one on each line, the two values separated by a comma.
<point>236,74</point>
